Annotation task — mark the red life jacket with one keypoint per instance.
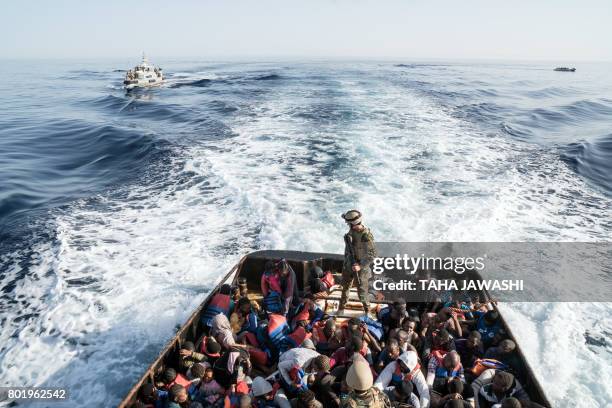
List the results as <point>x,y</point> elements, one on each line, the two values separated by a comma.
<point>220,303</point>
<point>298,336</point>
<point>319,329</point>
<point>328,279</point>
<point>303,314</point>
<point>440,370</point>
<point>273,282</point>
<point>181,380</point>
<point>277,330</point>
<point>398,376</point>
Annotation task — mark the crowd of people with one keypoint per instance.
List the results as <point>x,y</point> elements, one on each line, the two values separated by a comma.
<point>285,351</point>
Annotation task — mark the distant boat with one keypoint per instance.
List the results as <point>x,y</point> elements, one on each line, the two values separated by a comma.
<point>565,69</point>
<point>143,75</point>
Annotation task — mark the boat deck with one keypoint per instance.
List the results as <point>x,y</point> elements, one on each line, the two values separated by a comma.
<point>251,267</point>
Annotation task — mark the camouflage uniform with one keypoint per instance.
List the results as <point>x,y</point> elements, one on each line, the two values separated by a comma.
<point>365,252</point>
<point>372,398</point>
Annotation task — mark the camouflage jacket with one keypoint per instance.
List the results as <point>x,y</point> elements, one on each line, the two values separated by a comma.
<point>363,247</point>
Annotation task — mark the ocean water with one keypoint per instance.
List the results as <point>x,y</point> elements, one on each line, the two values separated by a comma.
<point>119,212</point>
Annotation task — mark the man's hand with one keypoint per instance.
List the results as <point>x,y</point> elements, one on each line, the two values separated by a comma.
<point>356,268</point>
<point>185,353</point>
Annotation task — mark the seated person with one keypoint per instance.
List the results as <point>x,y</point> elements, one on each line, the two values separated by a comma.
<point>326,336</point>
<point>210,391</point>
<point>153,397</point>
<point>320,282</point>
<point>470,348</point>
<point>489,325</point>
<point>307,313</point>
<point>390,353</point>
<point>244,318</point>
<point>292,367</point>
<point>263,393</point>
<point>403,396</point>
<point>342,357</point>
<point>455,389</point>
<point>439,340</point>
<point>392,315</point>
<point>503,385</point>
<point>356,327</point>
<point>442,367</point>
<point>506,353</point>
<point>405,368</point>
<point>323,383</point>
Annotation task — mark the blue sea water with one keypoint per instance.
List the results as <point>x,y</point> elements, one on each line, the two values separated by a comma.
<point>119,211</point>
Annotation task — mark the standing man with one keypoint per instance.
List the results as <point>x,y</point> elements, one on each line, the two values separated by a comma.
<point>359,253</point>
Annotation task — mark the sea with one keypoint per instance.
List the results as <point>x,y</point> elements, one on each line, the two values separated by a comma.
<point>120,211</point>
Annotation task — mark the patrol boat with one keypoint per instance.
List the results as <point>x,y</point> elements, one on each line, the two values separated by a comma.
<point>143,75</point>
<point>250,269</point>
<point>565,69</point>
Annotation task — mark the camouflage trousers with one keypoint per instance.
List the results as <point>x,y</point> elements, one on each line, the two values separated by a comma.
<point>348,277</point>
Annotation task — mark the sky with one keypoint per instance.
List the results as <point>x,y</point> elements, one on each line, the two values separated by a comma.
<point>560,30</point>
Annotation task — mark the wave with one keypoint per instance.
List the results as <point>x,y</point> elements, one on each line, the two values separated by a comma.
<point>198,83</point>
<point>52,163</point>
<point>268,77</point>
<point>592,160</point>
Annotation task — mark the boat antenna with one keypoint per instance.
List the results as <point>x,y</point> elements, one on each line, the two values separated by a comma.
<point>144,57</point>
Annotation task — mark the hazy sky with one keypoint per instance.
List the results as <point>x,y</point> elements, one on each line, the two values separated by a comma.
<point>565,30</point>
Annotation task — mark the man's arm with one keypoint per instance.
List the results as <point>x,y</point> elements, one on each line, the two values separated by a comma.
<point>371,250</point>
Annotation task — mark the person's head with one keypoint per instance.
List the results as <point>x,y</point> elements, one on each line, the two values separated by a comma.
<point>451,360</point>
<point>330,326</point>
<point>198,371</point>
<point>262,388</point>
<point>441,338</point>
<point>403,391</point>
<point>491,317</point>
<point>212,348</point>
<point>454,386</point>
<point>225,289</point>
<point>442,316</point>
<point>354,345</point>
<point>188,345</point>
<point>307,399</point>
<point>169,375</point>
<point>407,361</point>
<point>502,381</point>
<point>321,363</point>
<point>178,393</point>
<point>511,402</point>
<point>393,349</point>
<point>507,346</point>
<point>269,267</point>
<point>408,325</point>
<point>354,325</point>
<point>282,267</point>
<point>413,312</point>
<point>399,308</point>
<point>402,337</point>
<point>474,339</point>
<point>244,305</point>
<point>353,219</point>
<point>209,375</point>
<point>147,393</point>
